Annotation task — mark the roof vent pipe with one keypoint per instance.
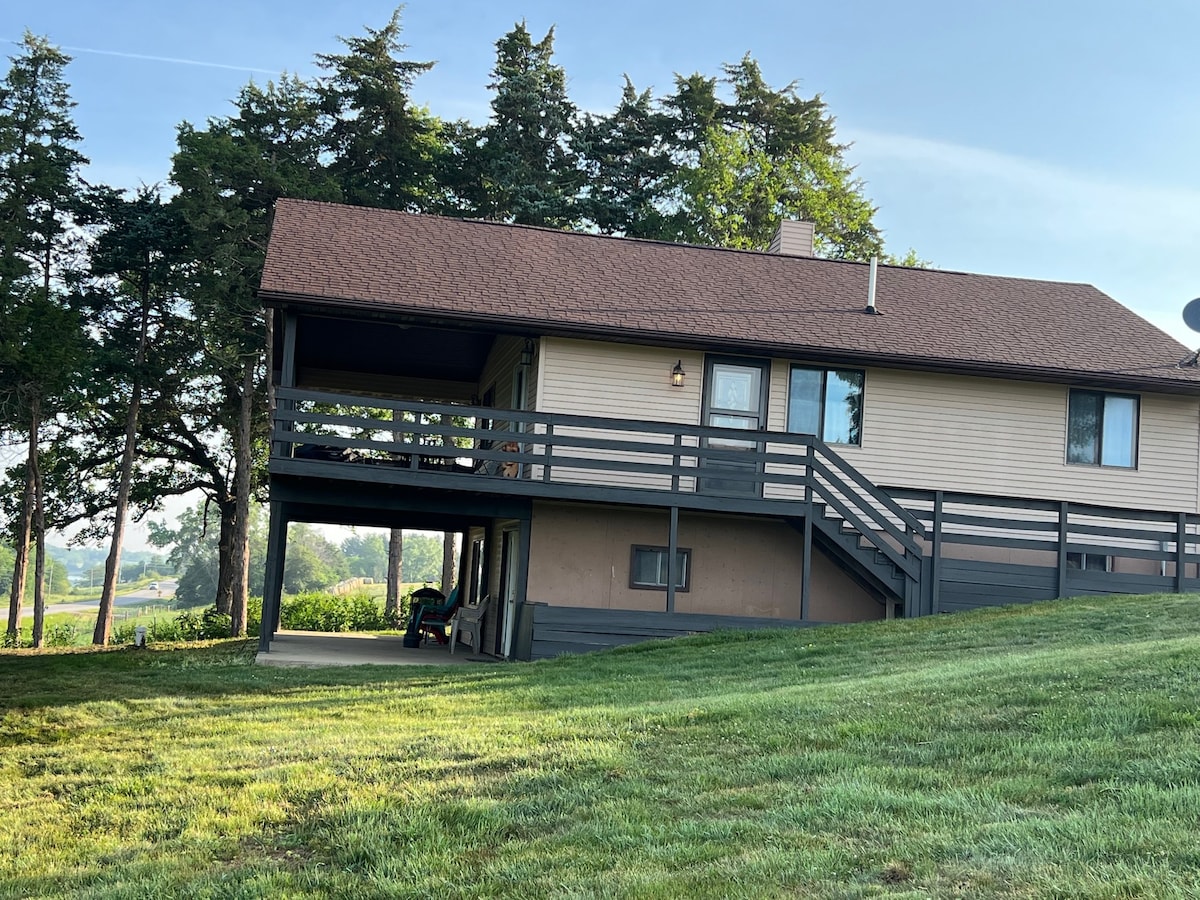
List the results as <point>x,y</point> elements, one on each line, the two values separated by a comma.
<point>871,310</point>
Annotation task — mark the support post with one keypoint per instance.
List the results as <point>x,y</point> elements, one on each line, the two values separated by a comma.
<point>1063,516</point>
<point>273,577</point>
<point>672,562</point>
<point>935,556</point>
<point>675,461</point>
<point>806,566</point>
<point>548,451</point>
<point>524,533</point>
<point>1180,550</point>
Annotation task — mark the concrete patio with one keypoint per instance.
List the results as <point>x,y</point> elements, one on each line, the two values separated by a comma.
<point>313,648</point>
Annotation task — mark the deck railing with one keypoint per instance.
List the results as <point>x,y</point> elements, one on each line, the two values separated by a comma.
<point>661,462</point>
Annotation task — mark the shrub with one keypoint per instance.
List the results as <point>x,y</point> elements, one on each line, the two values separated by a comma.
<point>315,611</point>
<point>215,624</point>
<point>61,634</point>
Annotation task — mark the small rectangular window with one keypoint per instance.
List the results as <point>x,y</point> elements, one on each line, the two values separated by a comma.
<point>1091,562</point>
<point>1102,429</point>
<point>826,403</point>
<point>648,568</point>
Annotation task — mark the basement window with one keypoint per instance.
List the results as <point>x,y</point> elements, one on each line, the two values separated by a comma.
<point>1089,562</point>
<point>648,568</point>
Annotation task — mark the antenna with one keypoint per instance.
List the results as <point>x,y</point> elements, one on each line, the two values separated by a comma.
<point>1191,318</point>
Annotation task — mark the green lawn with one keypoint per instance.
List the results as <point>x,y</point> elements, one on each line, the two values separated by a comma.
<point>1048,751</point>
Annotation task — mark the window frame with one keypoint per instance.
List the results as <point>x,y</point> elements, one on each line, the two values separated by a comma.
<point>1080,559</point>
<point>821,410</point>
<point>686,552</point>
<point>1135,431</point>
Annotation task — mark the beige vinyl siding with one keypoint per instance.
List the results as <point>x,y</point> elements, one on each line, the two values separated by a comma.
<point>920,430</point>
<point>1008,438</point>
<point>498,372</point>
<point>591,378</point>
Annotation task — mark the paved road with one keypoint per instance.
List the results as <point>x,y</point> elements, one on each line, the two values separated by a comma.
<point>140,597</point>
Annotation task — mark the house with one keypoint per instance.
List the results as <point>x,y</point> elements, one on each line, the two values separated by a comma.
<point>641,439</point>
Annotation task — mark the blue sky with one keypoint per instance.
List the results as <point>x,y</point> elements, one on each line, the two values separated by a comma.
<point>1050,140</point>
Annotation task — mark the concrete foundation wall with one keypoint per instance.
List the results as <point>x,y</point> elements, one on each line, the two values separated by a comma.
<point>580,556</point>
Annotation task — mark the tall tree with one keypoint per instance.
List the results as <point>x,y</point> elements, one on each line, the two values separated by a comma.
<point>137,257</point>
<point>626,161</point>
<point>523,161</point>
<point>384,150</point>
<point>39,332</point>
<point>230,176</point>
<point>765,155</point>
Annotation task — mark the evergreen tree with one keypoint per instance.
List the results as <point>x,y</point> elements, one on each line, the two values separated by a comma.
<point>628,171</point>
<point>523,162</point>
<point>40,333</point>
<point>384,151</point>
<point>230,176</point>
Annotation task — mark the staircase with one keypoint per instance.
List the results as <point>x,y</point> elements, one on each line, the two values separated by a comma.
<point>865,532</point>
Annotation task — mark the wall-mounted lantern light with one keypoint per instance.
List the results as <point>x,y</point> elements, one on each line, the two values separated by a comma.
<point>527,354</point>
<point>677,374</point>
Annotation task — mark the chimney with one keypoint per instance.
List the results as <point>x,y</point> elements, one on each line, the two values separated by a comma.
<point>793,239</point>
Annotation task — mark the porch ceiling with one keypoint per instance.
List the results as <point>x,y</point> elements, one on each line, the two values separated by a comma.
<point>380,347</point>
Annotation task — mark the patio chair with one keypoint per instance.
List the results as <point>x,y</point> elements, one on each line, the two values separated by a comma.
<point>469,621</point>
<point>429,613</point>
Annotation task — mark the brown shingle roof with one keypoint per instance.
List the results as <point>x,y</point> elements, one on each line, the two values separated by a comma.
<point>565,283</point>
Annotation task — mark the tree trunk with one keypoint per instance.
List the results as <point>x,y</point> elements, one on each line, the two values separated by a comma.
<point>448,562</point>
<point>225,562</point>
<point>16,598</point>
<point>39,567</point>
<point>391,607</point>
<point>240,549</point>
<point>112,566</point>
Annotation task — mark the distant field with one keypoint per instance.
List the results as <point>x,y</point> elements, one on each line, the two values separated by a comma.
<point>1046,751</point>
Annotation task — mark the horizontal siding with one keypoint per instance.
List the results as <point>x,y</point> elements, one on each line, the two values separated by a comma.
<point>591,378</point>
<point>992,436</point>
<point>920,430</point>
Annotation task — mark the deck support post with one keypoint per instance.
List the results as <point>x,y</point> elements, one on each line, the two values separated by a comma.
<point>1063,516</point>
<point>806,564</point>
<point>935,556</point>
<point>524,533</point>
<point>273,577</point>
<point>672,560</point>
<point>1180,550</point>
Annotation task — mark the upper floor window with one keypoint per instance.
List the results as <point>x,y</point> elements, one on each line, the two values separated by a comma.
<point>827,403</point>
<point>1102,429</point>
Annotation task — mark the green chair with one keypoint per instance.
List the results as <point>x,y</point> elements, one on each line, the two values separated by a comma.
<point>429,613</point>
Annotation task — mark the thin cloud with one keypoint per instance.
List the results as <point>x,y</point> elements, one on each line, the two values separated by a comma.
<point>167,59</point>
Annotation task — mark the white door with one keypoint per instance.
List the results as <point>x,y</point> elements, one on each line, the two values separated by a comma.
<point>509,549</point>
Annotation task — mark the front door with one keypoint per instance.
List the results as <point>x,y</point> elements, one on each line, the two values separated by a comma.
<point>735,396</point>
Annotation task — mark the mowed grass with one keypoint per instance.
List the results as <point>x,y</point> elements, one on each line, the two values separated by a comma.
<point>1044,751</point>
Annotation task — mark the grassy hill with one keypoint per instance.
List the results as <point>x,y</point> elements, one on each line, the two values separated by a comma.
<point>1045,751</point>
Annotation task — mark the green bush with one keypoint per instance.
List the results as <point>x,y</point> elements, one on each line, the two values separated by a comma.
<point>316,611</point>
<point>62,634</point>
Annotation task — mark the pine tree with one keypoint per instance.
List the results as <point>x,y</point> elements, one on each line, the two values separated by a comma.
<point>40,334</point>
<point>524,163</point>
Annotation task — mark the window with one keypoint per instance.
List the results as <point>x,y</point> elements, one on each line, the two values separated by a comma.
<point>1091,562</point>
<point>827,403</point>
<point>1102,429</point>
<point>648,568</point>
